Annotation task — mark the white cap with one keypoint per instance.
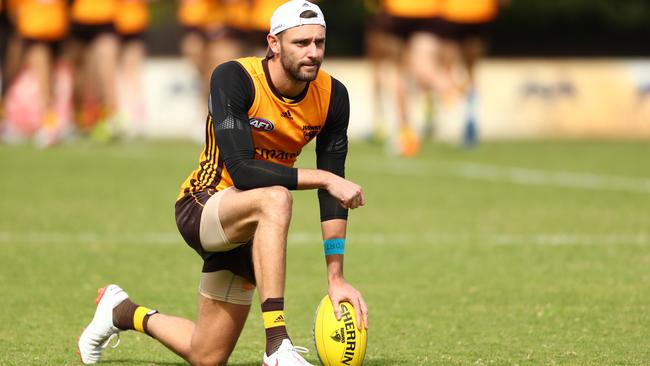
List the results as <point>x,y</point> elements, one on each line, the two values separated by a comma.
<point>287,16</point>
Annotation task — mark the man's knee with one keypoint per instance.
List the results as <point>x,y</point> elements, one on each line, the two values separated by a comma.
<point>276,199</point>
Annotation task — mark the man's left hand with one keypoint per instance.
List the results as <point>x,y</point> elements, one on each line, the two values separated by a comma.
<point>340,291</point>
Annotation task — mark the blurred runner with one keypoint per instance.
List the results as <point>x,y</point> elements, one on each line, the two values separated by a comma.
<point>132,21</point>
<point>376,51</point>
<point>407,36</point>
<point>259,25</point>
<point>10,43</point>
<point>95,50</point>
<point>4,38</point>
<point>464,27</point>
<point>193,17</point>
<point>226,31</point>
<point>5,30</point>
<point>10,51</point>
<point>34,106</point>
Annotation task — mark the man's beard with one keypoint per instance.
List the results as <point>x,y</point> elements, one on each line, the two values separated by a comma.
<point>294,70</point>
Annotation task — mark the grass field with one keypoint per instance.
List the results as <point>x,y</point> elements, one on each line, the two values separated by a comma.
<point>510,254</point>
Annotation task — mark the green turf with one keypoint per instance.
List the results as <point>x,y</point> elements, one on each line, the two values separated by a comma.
<point>494,256</point>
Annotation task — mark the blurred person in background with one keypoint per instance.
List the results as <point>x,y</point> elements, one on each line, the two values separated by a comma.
<point>226,31</point>
<point>463,28</point>
<point>10,43</point>
<point>95,47</point>
<point>258,25</point>
<point>11,55</point>
<point>404,32</point>
<point>376,52</point>
<point>5,32</point>
<point>132,20</point>
<point>35,103</point>
<point>5,29</point>
<point>214,31</point>
<point>193,17</point>
<point>14,46</point>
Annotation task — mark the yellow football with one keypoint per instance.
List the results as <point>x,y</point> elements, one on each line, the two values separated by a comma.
<point>338,342</point>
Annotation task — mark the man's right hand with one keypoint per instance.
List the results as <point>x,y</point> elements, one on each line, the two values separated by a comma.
<point>347,193</point>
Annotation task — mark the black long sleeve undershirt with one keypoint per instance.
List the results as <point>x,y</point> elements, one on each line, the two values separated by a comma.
<point>332,149</point>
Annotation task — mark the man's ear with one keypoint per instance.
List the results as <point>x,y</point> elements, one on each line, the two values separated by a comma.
<point>274,43</point>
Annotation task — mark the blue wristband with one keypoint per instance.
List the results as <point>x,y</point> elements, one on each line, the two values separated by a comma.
<point>334,246</point>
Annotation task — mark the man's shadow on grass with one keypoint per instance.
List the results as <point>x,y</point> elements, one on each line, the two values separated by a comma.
<point>131,361</point>
<point>377,362</point>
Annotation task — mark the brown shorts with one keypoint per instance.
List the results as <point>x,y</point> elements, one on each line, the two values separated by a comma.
<point>405,27</point>
<point>88,32</point>
<point>239,260</point>
<point>461,31</point>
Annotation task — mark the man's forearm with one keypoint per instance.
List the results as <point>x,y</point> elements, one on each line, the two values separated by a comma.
<point>334,229</point>
<point>314,178</point>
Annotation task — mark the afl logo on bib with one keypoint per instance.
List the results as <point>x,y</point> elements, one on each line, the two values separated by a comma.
<point>261,124</point>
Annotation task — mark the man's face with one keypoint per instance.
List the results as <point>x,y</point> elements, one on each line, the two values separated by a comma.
<point>301,51</point>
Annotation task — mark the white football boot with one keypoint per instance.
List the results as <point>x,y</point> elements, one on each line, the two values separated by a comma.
<point>99,333</point>
<point>286,355</point>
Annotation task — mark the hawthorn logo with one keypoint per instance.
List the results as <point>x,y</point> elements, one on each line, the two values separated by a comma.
<point>310,131</point>
<point>338,336</point>
<point>261,124</point>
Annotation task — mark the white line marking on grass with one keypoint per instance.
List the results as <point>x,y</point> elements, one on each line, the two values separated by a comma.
<point>502,239</point>
<point>52,237</point>
<point>549,178</point>
<point>571,239</point>
<point>363,238</point>
<point>516,175</point>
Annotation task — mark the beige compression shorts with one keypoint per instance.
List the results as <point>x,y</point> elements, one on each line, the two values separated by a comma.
<point>223,261</point>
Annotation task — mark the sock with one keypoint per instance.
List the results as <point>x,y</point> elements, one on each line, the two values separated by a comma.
<point>276,331</point>
<point>128,315</point>
<point>470,135</point>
